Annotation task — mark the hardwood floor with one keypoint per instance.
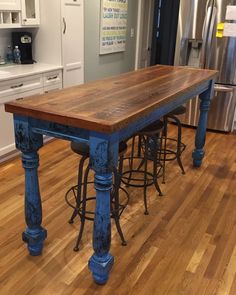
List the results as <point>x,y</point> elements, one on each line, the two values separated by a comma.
<point>186,245</point>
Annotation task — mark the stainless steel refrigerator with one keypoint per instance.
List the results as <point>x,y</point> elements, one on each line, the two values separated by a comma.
<point>200,43</point>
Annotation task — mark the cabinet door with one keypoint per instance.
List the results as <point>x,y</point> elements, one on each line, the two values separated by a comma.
<point>10,5</point>
<point>73,42</point>
<point>7,141</point>
<point>7,138</point>
<point>30,13</point>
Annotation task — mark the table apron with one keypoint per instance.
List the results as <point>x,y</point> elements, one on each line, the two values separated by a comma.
<point>60,131</point>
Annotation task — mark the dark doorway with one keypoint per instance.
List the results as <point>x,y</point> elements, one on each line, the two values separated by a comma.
<point>164,31</point>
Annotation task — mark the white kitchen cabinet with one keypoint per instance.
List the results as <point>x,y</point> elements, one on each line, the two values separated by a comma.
<point>7,138</point>
<point>19,13</point>
<point>52,79</point>
<point>10,5</point>
<point>60,39</point>
<point>10,19</point>
<point>72,42</point>
<point>30,12</point>
<point>20,85</point>
<point>19,88</point>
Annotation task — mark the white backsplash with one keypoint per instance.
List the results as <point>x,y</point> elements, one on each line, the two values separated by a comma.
<point>5,40</point>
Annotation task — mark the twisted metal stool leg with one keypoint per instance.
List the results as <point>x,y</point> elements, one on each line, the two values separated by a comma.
<point>179,151</point>
<point>131,162</point>
<point>164,151</point>
<point>116,201</point>
<point>79,182</point>
<point>139,146</point>
<point>145,177</point>
<point>83,211</point>
<point>155,160</point>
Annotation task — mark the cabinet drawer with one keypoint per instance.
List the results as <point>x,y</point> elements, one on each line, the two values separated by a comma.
<point>52,88</point>
<point>20,85</point>
<point>52,78</point>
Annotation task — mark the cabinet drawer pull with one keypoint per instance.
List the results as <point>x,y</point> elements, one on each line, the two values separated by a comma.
<point>52,78</point>
<point>64,23</point>
<point>17,86</point>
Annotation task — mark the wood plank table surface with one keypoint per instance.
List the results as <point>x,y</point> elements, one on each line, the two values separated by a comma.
<point>101,114</point>
<point>111,104</point>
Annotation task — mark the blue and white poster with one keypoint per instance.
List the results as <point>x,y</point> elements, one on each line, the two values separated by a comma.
<point>113,27</point>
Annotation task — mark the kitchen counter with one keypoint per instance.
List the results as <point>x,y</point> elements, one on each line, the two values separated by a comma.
<point>20,81</point>
<point>17,71</point>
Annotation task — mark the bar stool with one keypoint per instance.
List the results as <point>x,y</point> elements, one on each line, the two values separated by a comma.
<point>149,149</point>
<point>170,154</point>
<point>78,193</point>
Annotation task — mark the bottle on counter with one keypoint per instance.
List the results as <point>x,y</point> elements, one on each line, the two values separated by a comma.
<point>9,55</point>
<point>17,55</point>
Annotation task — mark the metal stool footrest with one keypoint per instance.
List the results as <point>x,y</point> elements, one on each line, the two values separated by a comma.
<point>72,194</point>
<point>171,154</point>
<point>139,182</point>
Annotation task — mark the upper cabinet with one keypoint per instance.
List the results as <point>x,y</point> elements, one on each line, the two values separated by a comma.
<point>30,13</point>
<point>19,13</point>
<point>10,5</point>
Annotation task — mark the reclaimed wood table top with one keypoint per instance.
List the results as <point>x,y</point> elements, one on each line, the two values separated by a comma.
<point>112,103</point>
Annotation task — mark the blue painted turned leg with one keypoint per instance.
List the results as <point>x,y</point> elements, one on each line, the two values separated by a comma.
<point>198,153</point>
<point>29,142</point>
<point>103,157</point>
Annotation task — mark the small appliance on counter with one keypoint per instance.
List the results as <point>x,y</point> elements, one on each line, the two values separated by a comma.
<point>24,42</point>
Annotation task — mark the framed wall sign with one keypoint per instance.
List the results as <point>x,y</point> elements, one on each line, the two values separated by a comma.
<point>113,25</point>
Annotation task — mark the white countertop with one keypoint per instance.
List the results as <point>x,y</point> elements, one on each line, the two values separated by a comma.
<point>17,71</point>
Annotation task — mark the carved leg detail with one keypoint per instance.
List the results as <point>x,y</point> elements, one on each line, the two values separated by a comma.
<point>29,143</point>
<point>103,159</point>
<point>34,235</point>
<point>101,262</point>
<point>198,153</point>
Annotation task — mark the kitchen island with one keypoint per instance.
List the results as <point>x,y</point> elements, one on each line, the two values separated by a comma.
<point>102,113</point>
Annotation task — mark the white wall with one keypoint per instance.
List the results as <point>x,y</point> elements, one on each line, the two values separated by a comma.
<point>99,66</point>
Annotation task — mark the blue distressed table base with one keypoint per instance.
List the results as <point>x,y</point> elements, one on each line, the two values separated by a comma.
<point>100,267</point>
<point>200,139</point>
<point>198,155</point>
<point>34,239</point>
<point>103,157</point>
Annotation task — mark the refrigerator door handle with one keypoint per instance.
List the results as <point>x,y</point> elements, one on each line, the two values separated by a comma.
<point>220,88</point>
<point>205,33</point>
<point>210,37</point>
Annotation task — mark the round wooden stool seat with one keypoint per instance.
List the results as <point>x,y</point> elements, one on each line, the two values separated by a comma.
<point>152,129</point>
<point>83,148</point>
<point>178,111</point>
